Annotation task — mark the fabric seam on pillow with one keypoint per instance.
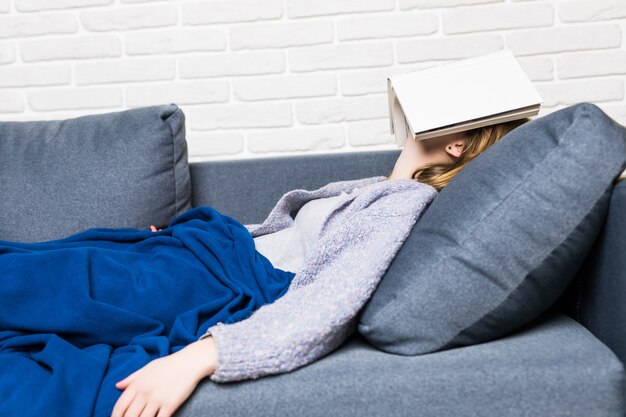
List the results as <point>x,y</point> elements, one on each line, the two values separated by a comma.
<point>471,233</point>
<point>587,212</point>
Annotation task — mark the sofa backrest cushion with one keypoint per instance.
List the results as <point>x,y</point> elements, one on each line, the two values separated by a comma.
<point>121,169</point>
<point>502,241</point>
<point>597,296</point>
<point>247,189</point>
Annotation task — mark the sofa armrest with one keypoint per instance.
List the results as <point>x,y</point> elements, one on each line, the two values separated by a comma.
<point>597,296</point>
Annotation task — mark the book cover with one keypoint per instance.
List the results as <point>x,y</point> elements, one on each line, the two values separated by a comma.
<point>458,96</point>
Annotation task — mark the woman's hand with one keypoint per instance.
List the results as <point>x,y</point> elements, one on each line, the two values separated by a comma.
<point>154,229</point>
<point>160,387</point>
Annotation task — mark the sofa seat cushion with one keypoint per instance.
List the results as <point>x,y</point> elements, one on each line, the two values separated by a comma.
<point>552,367</point>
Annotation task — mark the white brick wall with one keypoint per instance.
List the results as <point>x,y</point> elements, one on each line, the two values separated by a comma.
<point>276,77</point>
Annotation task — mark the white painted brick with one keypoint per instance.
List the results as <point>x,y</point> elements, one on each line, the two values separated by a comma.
<point>425,4</point>
<point>305,8</point>
<point>298,139</point>
<point>355,83</point>
<point>24,117</point>
<point>453,47</point>
<point>564,38</point>
<point>180,40</point>
<point>57,115</point>
<point>280,35</point>
<point>144,1</point>
<point>615,111</point>
<point>285,87</point>
<point>129,18</point>
<point>71,48</point>
<point>498,16</point>
<point>342,109</point>
<point>38,5</point>
<point>572,92</point>
<point>7,53</point>
<point>11,102</point>
<point>194,92</point>
<point>237,63</point>
<point>220,11</point>
<point>240,116</point>
<point>383,26</point>
<point>586,64</point>
<point>370,132</point>
<point>537,68</point>
<point>27,76</point>
<point>113,71</point>
<point>347,55</point>
<point>69,99</point>
<point>37,24</point>
<point>211,144</point>
<point>591,11</point>
<point>334,80</point>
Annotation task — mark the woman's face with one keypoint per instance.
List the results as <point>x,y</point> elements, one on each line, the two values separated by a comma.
<point>442,149</point>
<point>418,153</point>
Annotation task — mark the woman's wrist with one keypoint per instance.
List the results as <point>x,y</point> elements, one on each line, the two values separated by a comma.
<point>204,352</point>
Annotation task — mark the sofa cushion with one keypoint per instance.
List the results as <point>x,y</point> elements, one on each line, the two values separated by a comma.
<point>503,239</point>
<point>553,368</point>
<point>121,169</point>
<point>247,189</point>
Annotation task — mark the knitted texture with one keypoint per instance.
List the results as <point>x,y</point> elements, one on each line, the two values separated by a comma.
<point>356,245</point>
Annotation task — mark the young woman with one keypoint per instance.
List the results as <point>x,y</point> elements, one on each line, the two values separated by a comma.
<point>149,391</point>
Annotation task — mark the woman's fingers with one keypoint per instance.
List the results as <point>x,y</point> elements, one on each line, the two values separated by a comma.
<point>123,402</point>
<point>153,228</point>
<point>124,382</point>
<point>136,407</point>
<point>151,410</point>
<point>166,411</point>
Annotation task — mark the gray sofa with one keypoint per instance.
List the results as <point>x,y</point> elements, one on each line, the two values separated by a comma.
<point>129,169</point>
<point>567,362</point>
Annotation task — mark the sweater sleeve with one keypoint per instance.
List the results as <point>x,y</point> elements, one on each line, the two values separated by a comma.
<point>252,227</point>
<point>315,316</point>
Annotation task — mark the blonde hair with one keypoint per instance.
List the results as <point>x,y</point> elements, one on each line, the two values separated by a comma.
<point>476,141</point>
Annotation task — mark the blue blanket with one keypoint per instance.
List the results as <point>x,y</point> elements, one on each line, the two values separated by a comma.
<point>81,313</point>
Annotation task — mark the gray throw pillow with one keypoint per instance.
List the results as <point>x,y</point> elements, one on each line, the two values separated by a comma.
<point>121,169</point>
<point>502,241</point>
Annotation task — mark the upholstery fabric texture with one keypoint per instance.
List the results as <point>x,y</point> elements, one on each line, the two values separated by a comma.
<point>506,377</point>
<point>121,169</point>
<point>554,367</point>
<point>247,189</point>
<point>503,240</point>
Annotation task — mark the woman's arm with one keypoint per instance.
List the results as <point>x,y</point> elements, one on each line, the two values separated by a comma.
<point>150,390</point>
<point>319,311</point>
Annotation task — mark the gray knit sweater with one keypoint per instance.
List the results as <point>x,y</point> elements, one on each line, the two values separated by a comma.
<point>319,311</point>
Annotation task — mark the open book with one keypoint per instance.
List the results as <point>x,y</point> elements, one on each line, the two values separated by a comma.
<point>459,96</point>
